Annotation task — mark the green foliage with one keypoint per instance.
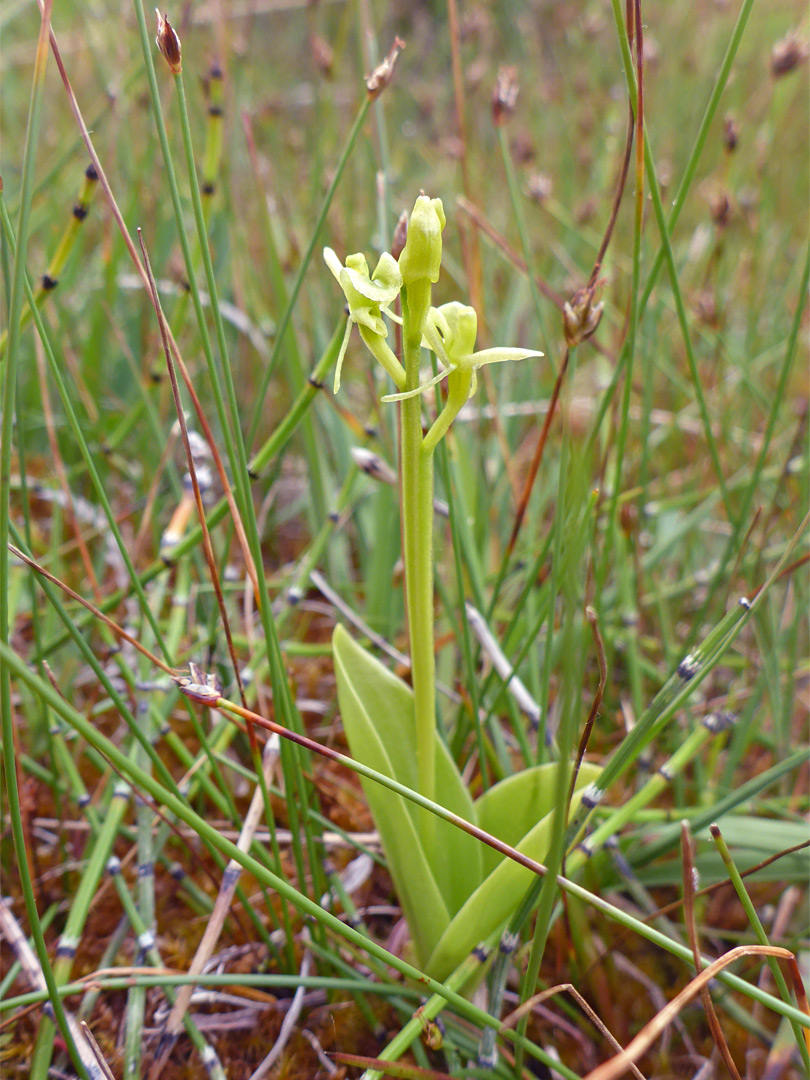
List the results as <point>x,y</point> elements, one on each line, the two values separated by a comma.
<point>673,480</point>
<point>455,892</point>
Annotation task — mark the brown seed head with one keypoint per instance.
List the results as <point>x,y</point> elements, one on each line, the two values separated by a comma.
<point>787,54</point>
<point>581,316</point>
<point>504,96</point>
<point>432,1035</point>
<point>400,235</point>
<point>706,308</point>
<point>720,209</point>
<point>628,519</point>
<point>322,54</point>
<point>169,43</point>
<point>731,133</point>
<point>383,73</point>
<point>540,186</point>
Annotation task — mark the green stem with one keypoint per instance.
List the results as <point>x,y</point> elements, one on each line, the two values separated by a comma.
<point>417,540</point>
<point>759,930</point>
<point>8,400</point>
<point>429,1011</point>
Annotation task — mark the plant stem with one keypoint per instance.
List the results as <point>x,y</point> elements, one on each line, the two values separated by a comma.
<point>8,403</point>
<point>417,546</point>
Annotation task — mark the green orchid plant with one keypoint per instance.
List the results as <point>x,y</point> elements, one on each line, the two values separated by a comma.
<point>455,892</point>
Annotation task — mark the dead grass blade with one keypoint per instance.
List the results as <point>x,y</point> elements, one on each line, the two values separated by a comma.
<point>619,1064</point>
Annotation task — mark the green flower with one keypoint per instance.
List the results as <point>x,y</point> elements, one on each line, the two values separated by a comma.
<point>450,332</point>
<point>368,296</point>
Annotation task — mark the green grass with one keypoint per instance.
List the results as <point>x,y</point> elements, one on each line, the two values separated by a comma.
<point>660,502</point>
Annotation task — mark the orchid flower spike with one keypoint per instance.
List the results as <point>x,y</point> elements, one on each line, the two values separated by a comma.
<point>450,332</point>
<point>368,296</point>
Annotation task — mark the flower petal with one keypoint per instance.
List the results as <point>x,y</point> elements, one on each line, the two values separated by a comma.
<point>343,346</point>
<point>498,356</point>
<point>434,339</point>
<point>364,316</point>
<point>332,261</point>
<point>419,389</point>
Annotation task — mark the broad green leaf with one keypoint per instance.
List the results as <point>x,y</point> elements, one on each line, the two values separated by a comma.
<point>363,693</point>
<point>752,841</point>
<point>499,894</point>
<point>512,807</point>
<point>378,718</point>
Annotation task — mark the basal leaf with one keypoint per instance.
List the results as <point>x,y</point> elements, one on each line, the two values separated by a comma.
<point>378,718</point>
<point>496,898</point>
<point>510,808</point>
<point>363,693</point>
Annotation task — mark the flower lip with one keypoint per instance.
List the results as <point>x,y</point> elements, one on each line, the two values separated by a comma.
<point>383,287</point>
<point>450,332</point>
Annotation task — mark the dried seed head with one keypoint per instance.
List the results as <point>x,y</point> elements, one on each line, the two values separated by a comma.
<point>204,688</point>
<point>706,308</point>
<point>720,209</point>
<point>731,133</point>
<point>169,43</point>
<point>322,54</point>
<point>432,1034</point>
<point>504,96</point>
<point>581,316</point>
<point>383,73</point>
<point>628,519</point>
<point>540,187</point>
<point>787,54</point>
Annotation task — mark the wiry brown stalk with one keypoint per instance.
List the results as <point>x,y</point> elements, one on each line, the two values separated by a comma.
<point>534,467</point>
<point>689,887</point>
<point>151,498</point>
<point>192,471</point>
<point>593,620</point>
<point>617,199</point>
<point>511,1020</point>
<point>584,299</point>
<point>215,701</point>
<point>133,253</point>
<point>116,629</point>
<point>61,472</point>
<point>482,223</point>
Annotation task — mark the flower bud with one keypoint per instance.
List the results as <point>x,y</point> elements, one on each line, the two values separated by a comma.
<point>421,257</point>
<point>169,43</point>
